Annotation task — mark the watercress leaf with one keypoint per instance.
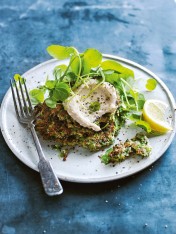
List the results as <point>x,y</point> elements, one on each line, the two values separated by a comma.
<point>42,88</point>
<point>140,103</point>
<point>61,92</point>
<point>108,72</point>
<point>62,85</point>
<point>75,64</point>
<point>112,78</point>
<point>144,125</point>
<point>37,96</point>
<point>34,101</point>
<point>59,71</point>
<point>60,52</point>
<point>91,58</point>
<point>113,65</point>
<point>63,67</point>
<point>127,76</point>
<point>69,77</point>
<point>50,84</point>
<point>135,116</point>
<point>17,77</point>
<point>50,102</point>
<point>151,84</point>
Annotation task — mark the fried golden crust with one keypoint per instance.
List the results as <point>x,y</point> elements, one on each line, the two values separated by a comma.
<point>55,124</point>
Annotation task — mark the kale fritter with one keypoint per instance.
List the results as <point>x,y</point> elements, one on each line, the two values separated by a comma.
<point>137,146</point>
<point>56,125</point>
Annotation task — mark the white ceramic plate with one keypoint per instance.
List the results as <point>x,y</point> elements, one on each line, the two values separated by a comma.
<point>81,165</point>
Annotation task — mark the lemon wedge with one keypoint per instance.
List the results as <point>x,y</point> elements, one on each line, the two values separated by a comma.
<point>154,112</point>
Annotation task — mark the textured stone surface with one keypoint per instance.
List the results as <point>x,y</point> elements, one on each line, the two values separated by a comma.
<point>143,31</point>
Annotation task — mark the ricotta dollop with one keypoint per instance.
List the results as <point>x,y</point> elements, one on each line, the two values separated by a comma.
<point>78,105</point>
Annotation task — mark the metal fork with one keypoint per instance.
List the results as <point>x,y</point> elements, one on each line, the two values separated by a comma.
<point>25,115</point>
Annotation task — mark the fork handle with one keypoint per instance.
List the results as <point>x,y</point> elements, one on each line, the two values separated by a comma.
<point>51,183</point>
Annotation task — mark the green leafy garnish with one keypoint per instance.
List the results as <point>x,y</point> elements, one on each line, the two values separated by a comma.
<point>61,92</point>
<point>94,106</point>
<point>37,96</point>
<point>51,103</point>
<point>111,77</point>
<point>59,71</point>
<point>75,65</point>
<point>89,65</point>
<point>113,65</point>
<point>140,101</point>
<point>50,84</point>
<point>137,119</point>
<point>143,124</point>
<point>151,84</point>
<point>60,52</point>
<point>17,77</point>
<point>91,59</point>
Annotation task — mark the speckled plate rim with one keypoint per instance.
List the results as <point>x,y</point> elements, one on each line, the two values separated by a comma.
<point>102,179</point>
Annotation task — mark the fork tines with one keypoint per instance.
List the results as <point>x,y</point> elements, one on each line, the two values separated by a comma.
<point>21,99</point>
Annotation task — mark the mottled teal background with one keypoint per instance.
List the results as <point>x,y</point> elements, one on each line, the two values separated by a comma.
<point>143,31</point>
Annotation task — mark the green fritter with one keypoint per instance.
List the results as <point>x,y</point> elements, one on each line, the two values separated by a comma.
<point>137,146</point>
<point>56,125</point>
